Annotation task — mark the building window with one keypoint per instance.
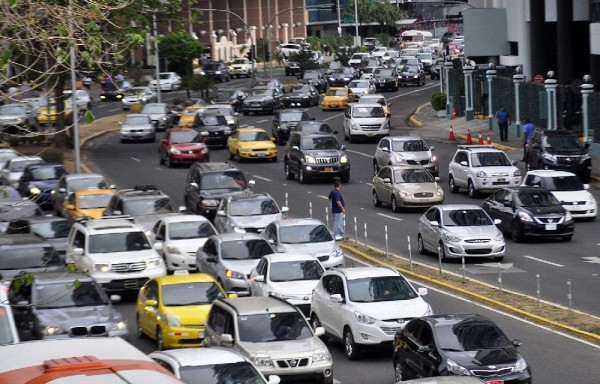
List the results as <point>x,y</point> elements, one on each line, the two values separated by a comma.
<point>514,48</point>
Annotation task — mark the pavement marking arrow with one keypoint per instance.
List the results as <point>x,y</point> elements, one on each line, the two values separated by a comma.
<point>543,261</point>
<point>592,259</point>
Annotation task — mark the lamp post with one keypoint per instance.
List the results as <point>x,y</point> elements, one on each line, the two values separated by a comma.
<point>551,84</point>
<point>74,97</point>
<point>518,78</point>
<point>447,66</point>
<point>156,58</point>
<point>357,37</point>
<point>586,88</point>
<point>490,74</point>
<point>468,71</point>
<point>339,15</point>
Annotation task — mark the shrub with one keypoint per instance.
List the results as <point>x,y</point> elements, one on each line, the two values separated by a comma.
<point>438,101</point>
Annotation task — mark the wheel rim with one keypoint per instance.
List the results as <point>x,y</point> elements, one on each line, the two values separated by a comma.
<point>315,322</point>
<point>514,231</point>
<point>420,245</point>
<point>451,182</point>
<point>159,339</point>
<point>375,199</point>
<point>398,371</point>
<point>349,343</point>
<point>394,204</point>
<point>471,189</point>
<point>375,168</point>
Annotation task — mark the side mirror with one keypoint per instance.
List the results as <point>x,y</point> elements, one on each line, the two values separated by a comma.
<point>271,241</point>
<point>193,184</point>
<point>335,132</point>
<point>295,148</point>
<point>336,298</point>
<point>464,163</point>
<point>221,213</point>
<point>151,303</point>
<point>434,223</point>
<point>78,252</point>
<point>423,349</point>
<point>274,379</point>
<point>69,206</point>
<point>343,147</point>
<point>236,113</point>
<point>159,237</point>
<point>158,246</point>
<point>507,203</point>
<point>117,212</point>
<point>226,339</point>
<point>517,343</point>
<point>586,186</point>
<point>62,190</point>
<point>514,162</point>
<point>232,295</point>
<point>251,183</point>
<point>260,279</point>
<point>312,119</point>
<point>385,149</point>
<point>319,331</point>
<point>422,291</point>
<point>115,298</point>
<point>273,139</point>
<point>432,148</point>
<point>497,221</point>
<point>437,178</point>
<point>182,209</point>
<point>284,209</point>
<point>387,180</point>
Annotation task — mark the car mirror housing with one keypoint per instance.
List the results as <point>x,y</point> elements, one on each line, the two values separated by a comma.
<point>158,246</point>
<point>387,180</point>
<point>497,221</point>
<point>115,298</point>
<point>251,183</point>
<point>434,223</point>
<point>226,339</point>
<point>221,213</point>
<point>77,251</point>
<point>260,279</point>
<point>422,291</point>
<point>336,298</point>
<point>319,331</point>
<point>151,303</point>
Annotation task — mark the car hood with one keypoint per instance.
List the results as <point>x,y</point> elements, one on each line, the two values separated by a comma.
<point>314,249</point>
<point>275,349</point>
<point>123,257</point>
<point>420,155</point>
<point>503,171</point>
<point>324,153</point>
<point>258,221</point>
<point>297,94</point>
<point>479,359</point>
<point>473,231</point>
<point>370,120</point>
<point>77,316</point>
<point>335,98</point>
<point>190,314</point>
<point>559,151</point>
<point>418,187</point>
<point>359,90</point>
<point>573,195</point>
<point>187,146</point>
<point>295,288</point>
<point>148,221</point>
<point>557,209</point>
<point>155,116</point>
<point>257,144</point>
<point>94,213</point>
<point>45,184</point>
<point>187,245</point>
<point>258,98</point>
<point>136,127</point>
<point>242,266</point>
<point>391,310</point>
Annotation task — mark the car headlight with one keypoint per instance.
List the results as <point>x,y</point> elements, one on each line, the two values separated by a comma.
<point>173,250</point>
<point>499,236</point>
<point>152,263</point>
<point>310,160</point>
<point>584,157</point>
<point>52,331</point>
<point>551,158</point>
<point>102,267</point>
<point>227,131</point>
<point>481,174</point>
<point>403,193</point>
<point>175,151</point>
<point>400,160</point>
<point>172,320</point>
<point>364,319</point>
<point>204,133</point>
<point>428,311</point>
<point>235,275</point>
<point>337,252</point>
<point>415,76</point>
<point>520,365</point>
<point>456,369</point>
<point>439,192</point>
<point>35,191</point>
<point>321,354</point>
<point>525,217</point>
<point>517,173</point>
<point>261,360</point>
<point>433,159</point>
<point>451,238</point>
<point>305,97</point>
<point>568,217</point>
<point>210,203</point>
<point>119,326</point>
<point>164,118</point>
<point>203,73</point>
<point>217,72</point>
<point>344,159</point>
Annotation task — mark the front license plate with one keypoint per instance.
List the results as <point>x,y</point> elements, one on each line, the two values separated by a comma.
<point>261,155</point>
<point>333,105</point>
<point>495,382</point>
<point>201,335</point>
<point>328,169</point>
<point>371,134</point>
<point>501,179</point>
<point>550,227</point>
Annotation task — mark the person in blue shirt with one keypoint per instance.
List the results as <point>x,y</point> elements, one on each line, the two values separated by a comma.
<point>503,118</point>
<point>528,130</point>
<point>338,208</point>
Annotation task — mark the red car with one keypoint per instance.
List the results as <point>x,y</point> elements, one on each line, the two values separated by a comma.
<point>182,145</point>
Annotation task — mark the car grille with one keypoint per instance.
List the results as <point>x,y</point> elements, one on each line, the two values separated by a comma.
<point>504,174</point>
<point>390,331</point>
<point>492,372</point>
<point>327,160</point>
<point>480,251</point>
<point>128,267</point>
<point>417,162</point>
<point>549,220</point>
<point>260,149</point>
<point>569,160</point>
<point>323,258</point>
<point>573,203</point>
<point>477,241</point>
<point>370,127</point>
<point>94,330</point>
<point>401,320</point>
<point>215,133</point>
<point>423,194</point>
<point>292,363</point>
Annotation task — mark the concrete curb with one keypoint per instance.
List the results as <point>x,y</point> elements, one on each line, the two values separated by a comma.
<point>479,298</point>
<point>502,147</point>
<point>413,118</point>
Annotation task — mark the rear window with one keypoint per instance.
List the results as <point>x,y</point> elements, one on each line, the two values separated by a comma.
<point>29,257</point>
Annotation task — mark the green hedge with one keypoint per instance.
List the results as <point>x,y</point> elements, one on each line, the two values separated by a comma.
<point>438,101</point>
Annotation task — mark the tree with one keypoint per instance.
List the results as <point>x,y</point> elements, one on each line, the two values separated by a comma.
<point>371,11</point>
<point>181,49</point>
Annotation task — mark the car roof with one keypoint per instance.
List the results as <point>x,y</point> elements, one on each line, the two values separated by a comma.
<point>189,278</point>
<point>454,207</point>
<point>309,134</point>
<point>248,196</point>
<point>24,158</point>
<point>294,222</point>
<point>284,257</point>
<point>256,305</point>
<point>111,226</point>
<point>232,236</point>
<point>549,173</point>
<point>40,219</point>
<point>364,272</point>
<point>215,166</point>
<point>183,218</point>
<point>53,277</point>
<point>479,148</point>
<point>366,105</point>
<point>74,176</point>
<point>44,165</point>
<point>101,191</point>
<point>403,138</point>
<point>202,356</point>
<point>21,239</point>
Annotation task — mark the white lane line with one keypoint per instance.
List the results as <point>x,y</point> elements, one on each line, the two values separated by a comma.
<point>134,159</point>
<point>415,91</point>
<point>333,117</point>
<point>114,110</point>
<point>369,184</point>
<point>262,178</point>
<point>543,261</point>
<point>359,153</point>
<point>158,169</point>
<point>323,197</point>
<point>388,216</point>
<point>262,121</point>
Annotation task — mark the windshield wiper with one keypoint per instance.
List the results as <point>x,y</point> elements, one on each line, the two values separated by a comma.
<point>450,349</point>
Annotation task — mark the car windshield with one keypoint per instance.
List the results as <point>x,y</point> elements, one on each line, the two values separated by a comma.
<point>119,242</point>
<point>137,120</point>
<point>253,207</point>
<point>409,146</point>
<point>229,373</point>
<point>310,75</point>
<point>29,257</point>
<point>383,72</point>
<point>412,176</point>
<point>253,136</point>
<point>357,56</point>
<point>100,200</point>
<point>225,180</point>
<point>273,327</point>
<point>295,271</point>
<point>241,61</point>
<point>383,288</point>
<point>212,66</point>
<point>58,229</point>
<point>19,166</point>
<point>68,294</point>
<point>370,100</point>
<point>47,173</point>
<point>151,109</point>
<point>212,121</point>
<point>180,137</point>
<point>358,84</point>
<point>465,218</point>
<point>191,293</point>
<point>252,249</point>
<point>337,92</point>
<point>12,109</point>
<point>314,127</point>
<point>320,142</point>
<point>561,142</point>
<point>470,335</point>
<point>369,70</point>
<point>81,184</point>
<point>300,89</point>
<point>190,230</point>
<point>562,183</point>
<point>262,92</point>
<point>537,198</point>
<point>490,159</point>
<point>9,194</point>
<point>292,116</point>
<point>109,87</point>
<point>135,91</point>
<point>164,76</point>
<point>148,206</point>
<point>410,69</point>
<point>304,234</point>
<point>368,112</point>
<point>6,334</point>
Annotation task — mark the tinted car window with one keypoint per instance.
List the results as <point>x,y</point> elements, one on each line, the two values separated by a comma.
<point>47,173</point>
<point>192,293</point>
<point>119,242</point>
<point>241,372</point>
<point>299,234</point>
<point>385,288</point>
<point>29,257</point>
<point>225,180</point>
<point>253,207</point>
<point>536,199</point>
<point>319,142</point>
<point>490,159</point>
<point>69,294</point>
<point>51,229</point>
<point>245,249</point>
<point>413,176</point>
<point>190,230</point>
<point>409,146</point>
<point>471,336</point>
<point>273,327</point>
<point>149,206</point>
<point>466,218</point>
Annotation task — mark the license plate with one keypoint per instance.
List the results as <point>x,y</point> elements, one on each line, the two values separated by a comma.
<point>261,155</point>
<point>333,105</point>
<point>550,227</point>
<point>501,179</point>
<point>371,134</point>
<point>328,169</point>
<point>495,382</point>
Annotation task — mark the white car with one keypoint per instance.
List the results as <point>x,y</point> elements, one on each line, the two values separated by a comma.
<point>169,81</point>
<point>365,306</point>
<point>405,151</point>
<point>84,100</point>
<point>366,120</point>
<point>290,276</point>
<point>568,190</point>
<point>138,95</point>
<point>182,236</point>
<point>317,57</point>
<point>360,88</point>
<point>379,52</point>
<point>288,49</point>
<point>357,57</point>
<point>242,67</point>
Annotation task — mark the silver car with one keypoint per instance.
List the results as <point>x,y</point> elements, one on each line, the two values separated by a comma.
<point>137,127</point>
<point>226,110</point>
<point>402,187</point>
<point>138,95</point>
<point>5,155</point>
<point>16,117</point>
<point>13,169</point>
<point>160,114</point>
<point>405,151</point>
<point>460,230</point>
<point>247,213</point>
<point>361,87</point>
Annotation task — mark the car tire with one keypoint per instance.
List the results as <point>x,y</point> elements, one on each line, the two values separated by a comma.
<point>394,204</point>
<point>231,155</point>
<point>376,201</point>
<point>345,178</point>
<point>245,113</point>
<point>351,138</point>
<point>159,339</point>
<point>288,172</point>
<point>375,167</point>
<point>302,178</point>
<point>138,327</point>
<point>421,245</point>
<point>515,232</point>
<point>442,251</point>
<point>345,136</point>
<point>350,347</point>
<point>397,371</point>
<point>452,184</point>
<point>471,190</point>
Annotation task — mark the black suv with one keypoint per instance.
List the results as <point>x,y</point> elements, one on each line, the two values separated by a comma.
<point>216,70</point>
<point>285,121</point>
<point>207,183</point>
<point>213,129</point>
<point>559,150</point>
<point>311,155</point>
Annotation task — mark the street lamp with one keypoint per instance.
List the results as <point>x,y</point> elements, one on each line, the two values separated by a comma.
<point>586,88</point>
<point>518,78</point>
<point>551,84</point>
<point>490,74</point>
<point>468,71</point>
<point>156,58</point>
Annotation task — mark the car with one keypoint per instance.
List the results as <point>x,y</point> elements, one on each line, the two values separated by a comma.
<point>386,78</point>
<point>317,57</point>
<point>251,144</point>
<point>290,276</point>
<point>379,51</point>
<point>390,56</point>
<point>182,236</point>
<point>481,168</point>
<point>233,97</point>
<point>39,181</point>
<point>405,187</point>
<point>76,182</point>
<point>160,114</point>
<point>13,169</point>
<point>365,306</point>
<point>370,62</point>
<point>168,81</point>
<point>285,121</point>
<point>213,128</point>
<point>306,236</point>
<point>426,59</point>
<point>444,380</point>
<point>242,67</point>
<point>247,213</point>
<point>182,146</point>
<point>568,190</point>
<point>51,228</point>
<point>59,305</point>
<point>336,98</point>
<point>137,96</point>
<point>16,119</point>
<point>357,57</point>
<point>226,110</point>
<point>367,73</point>
<point>286,50</point>
<point>111,91</point>
<point>341,77</point>
<point>292,68</point>
<point>84,100</point>
<point>29,253</point>
<point>560,150</point>
<point>8,329</point>
<point>366,120</point>
<point>313,126</point>
<point>360,88</point>
<point>217,71</point>
<point>263,100</point>
<point>311,155</point>
<point>274,335</point>
<point>529,212</point>
<point>214,365</point>
<point>48,112</point>
<point>229,258</point>
<point>379,99</point>
<point>405,151</point>
<point>207,183</point>
<point>137,127</point>
<point>86,203</point>
<point>315,78</point>
<point>301,95</point>
<point>188,115</point>
<point>267,82</point>
<point>455,339</point>
<point>13,206</point>
<point>172,310</point>
<point>411,74</point>
<point>460,231</point>
<point>5,155</point>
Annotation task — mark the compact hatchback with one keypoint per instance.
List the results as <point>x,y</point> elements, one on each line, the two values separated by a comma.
<point>406,187</point>
<point>251,144</point>
<point>182,146</point>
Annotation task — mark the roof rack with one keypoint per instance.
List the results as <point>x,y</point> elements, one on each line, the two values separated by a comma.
<point>84,220</point>
<point>475,146</point>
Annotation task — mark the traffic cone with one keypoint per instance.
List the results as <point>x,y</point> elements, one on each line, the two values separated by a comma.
<point>451,135</point>
<point>454,113</point>
<point>480,141</point>
<point>469,138</point>
<point>489,139</point>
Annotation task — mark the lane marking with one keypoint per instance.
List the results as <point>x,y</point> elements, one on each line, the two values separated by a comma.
<point>134,159</point>
<point>262,121</point>
<point>544,261</point>
<point>333,117</point>
<point>389,216</point>
<point>359,153</point>
<point>323,197</point>
<point>114,110</point>
<point>262,178</point>
<point>158,169</point>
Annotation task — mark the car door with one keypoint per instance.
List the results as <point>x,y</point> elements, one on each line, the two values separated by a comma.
<point>208,251</point>
<point>19,296</point>
<point>429,232</point>
<point>77,240</point>
<point>276,118</point>
<point>294,153</point>
<point>347,124</point>
<point>459,167</point>
<point>387,189</point>
<point>337,311</point>
<point>503,208</point>
<point>221,219</point>
<point>321,300</point>
<point>150,312</point>
<point>417,361</point>
<point>60,192</point>
<point>259,288</point>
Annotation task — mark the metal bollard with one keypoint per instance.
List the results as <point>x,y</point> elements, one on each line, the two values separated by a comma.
<point>310,209</point>
<point>286,200</point>
<point>327,217</point>
<point>463,270</point>
<point>366,247</point>
<point>569,295</point>
<point>440,258</point>
<point>409,253</point>
<point>500,276</point>
<point>387,249</point>
<point>538,291</point>
<point>355,233</point>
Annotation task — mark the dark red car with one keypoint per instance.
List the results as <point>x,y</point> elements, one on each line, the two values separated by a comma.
<point>182,145</point>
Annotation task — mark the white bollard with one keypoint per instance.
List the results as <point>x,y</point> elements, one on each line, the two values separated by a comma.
<point>387,250</point>
<point>569,295</point>
<point>440,258</point>
<point>500,277</point>
<point>355,233</point>
<point>286,200</point>
<point>310,209</point>
<point>538,290</point>
<point>366,237</point>
<point>409,253</point>
<point>327,217</point>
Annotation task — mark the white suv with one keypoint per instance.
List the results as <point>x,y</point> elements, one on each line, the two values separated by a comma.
<point>365,306</point>
<point>366,120</point>
<point>115,252</point>
<point>481,168</point>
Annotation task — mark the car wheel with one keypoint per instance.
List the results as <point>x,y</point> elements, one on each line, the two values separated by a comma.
<point>397,371</point>
<point>515,232</point>
<point>168,162</point>
<point>421,245</point>
<point>345,135</point>
<point>288,172</point>
<point>395,207</point>
<point>376,201</point>
<point>351,138</point>
<point>442,251</point>
<point>238,157</point>
<point>351,348</point>
<point>375,167</point>
<point>138,327</point>
<point>452,184</point>
<point>302,178</point>
<point>471,190</point>
<point>159,339</point>
<point>245,113</point>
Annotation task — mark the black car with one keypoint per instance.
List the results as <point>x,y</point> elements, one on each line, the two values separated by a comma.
<point>263,100</point>
<point>301,95</point>
<point>207,183</point>
<point>458,345</point>
<point>39,181</point>
<point>314,127</point>
<point>216,70</point>
<point>411,74</point>
<point>235,97</point>
<point>292,68</point>
<point>559,150</point>
<point>213,128</point>
<point>315,78</point>
<point>527,211</point>
<point>54,229</point>
<point>341,77</point>
<point>312,155</point>
<point>285,121</point>
<point>29,253</point>
<point>386,78</point>
<point>436,67</point>
<point>110,91</point>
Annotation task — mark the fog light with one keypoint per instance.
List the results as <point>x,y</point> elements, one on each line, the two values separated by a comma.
<point>365,336</point>
<point>308,168</point>
<point>328,372</point>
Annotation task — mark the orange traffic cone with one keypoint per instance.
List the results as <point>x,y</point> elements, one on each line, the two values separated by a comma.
<point>454,113</point>
<point>480,141</point>
<point>451,135</point>
<point>489,139</point>
<point>469,138</point>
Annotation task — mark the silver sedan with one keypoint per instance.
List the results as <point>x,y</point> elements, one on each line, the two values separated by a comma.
<point>406,187</point>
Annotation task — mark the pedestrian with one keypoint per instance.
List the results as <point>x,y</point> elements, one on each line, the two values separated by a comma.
<point>338,208</point>
<point>528,130</point>
<point>503,118</point>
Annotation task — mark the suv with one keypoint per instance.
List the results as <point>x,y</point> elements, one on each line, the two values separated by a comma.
<point>310,155</point>
<point>480,168</point>
<point>207,183</point>
<point>367,120</point>
<point>242,66</point>
<point>216,70</point>
<point>559,150</point>
<point>285,121</point>
<point>115,251</point>
<point>273,334</point>
<point>27,252</point>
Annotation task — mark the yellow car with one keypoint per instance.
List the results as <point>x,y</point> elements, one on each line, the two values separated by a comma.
<point>189,115</point>
<point>90,203</point>
<point>47,113</point>
<point>251,143</point>
<point>173,309</point>
<point>336,98</point>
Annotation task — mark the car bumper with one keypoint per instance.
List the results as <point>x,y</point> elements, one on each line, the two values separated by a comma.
<point>258,108</point>
<point>377,333</point>
<point>489,184</point>
<point>271,154</point>
<point>160,124</point>
<point>582,211</point>
<point>129,103</point>
<point>315,373</point>
<point>176,262</point>
<point>539,230</point>
<point>329,262</point>
<point>215,140</point>
<point>410,81</point>
<point>236,285</point>
<point>111,281</point>
<point>383,130</point>
<point>386,85</point>
<point>489,249</point>
<point>581,170</point>
<point>240,71</point>
<point>314,170</point>
<point>339,105</point>
<point>181,337</point>
<point>189,158</point>
<point>137,135</point>
<point>412,201</point>
<point>110,97</point>
<point>523,377</point>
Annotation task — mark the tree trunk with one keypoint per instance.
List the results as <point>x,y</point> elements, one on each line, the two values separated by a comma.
<point>60,139</point>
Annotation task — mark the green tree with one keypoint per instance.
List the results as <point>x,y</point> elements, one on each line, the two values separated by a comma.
<point>371,11</point>
<point>305,59</point>
<point>181,49</point>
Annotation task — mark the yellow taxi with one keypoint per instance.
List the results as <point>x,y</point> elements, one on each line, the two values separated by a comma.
<point>336,98</point>
<point>189,115</point>
<point>173,309</point>
<point>47,113</point>
<point>90,203</point>
<point>251,143</point>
